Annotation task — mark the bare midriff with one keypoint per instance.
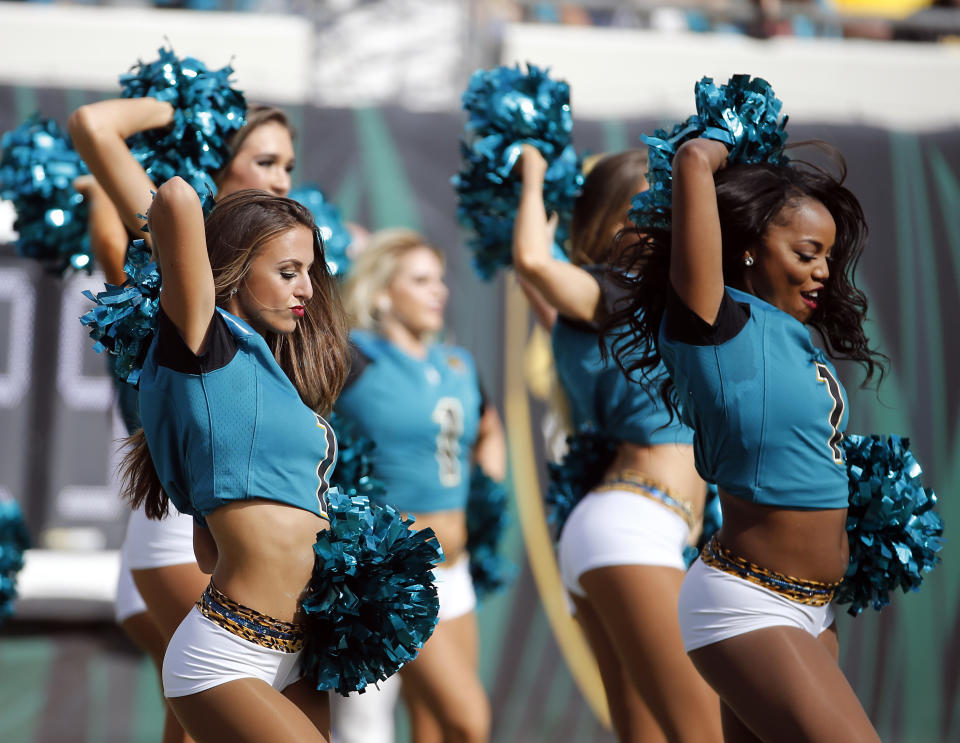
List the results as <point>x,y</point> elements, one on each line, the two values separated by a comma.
<point>669,465</point>
<point>265,554</point>
<point>451,530</point>
<point>802,544</point>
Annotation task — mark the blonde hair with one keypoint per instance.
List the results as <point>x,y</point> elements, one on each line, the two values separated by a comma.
<point>374,270</point>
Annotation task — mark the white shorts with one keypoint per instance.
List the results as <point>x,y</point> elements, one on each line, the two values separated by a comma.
<point>128,601</point>
<point>455,590</point>
<point>152,543</point>
<point>367,717</point>
<point>619,527</point>
<point>715,606</point>
<point>202,655</point>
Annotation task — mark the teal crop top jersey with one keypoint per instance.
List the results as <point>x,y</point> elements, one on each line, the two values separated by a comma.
<point>422,414</point>
<point>766,406</point>
<point>599,392</point>
<point>229,425</point>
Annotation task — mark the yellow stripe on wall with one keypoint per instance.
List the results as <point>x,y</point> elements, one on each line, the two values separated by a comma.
<point>533,521</point>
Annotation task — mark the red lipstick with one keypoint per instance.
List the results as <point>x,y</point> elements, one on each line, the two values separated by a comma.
<point>299,311</point>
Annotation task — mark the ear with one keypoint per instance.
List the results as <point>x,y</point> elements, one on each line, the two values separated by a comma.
<point>382,304</point>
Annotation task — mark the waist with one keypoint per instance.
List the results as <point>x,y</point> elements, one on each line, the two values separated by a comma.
<point>809,544</point>
<point>250,624</point>
<point>642,484</point>
<point>800,590</point>
<point>450,528</point>
<point>265,553</point>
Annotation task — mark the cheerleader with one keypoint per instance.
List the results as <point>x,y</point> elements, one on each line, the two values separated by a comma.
<point>421,403</point>
<point>756,254</point>
<point>250,342</point>
<point>159,579</point>
<point>621,549</point>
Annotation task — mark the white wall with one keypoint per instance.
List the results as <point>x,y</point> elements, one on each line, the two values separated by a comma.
<point>88,47</point>
<point>620,72</point>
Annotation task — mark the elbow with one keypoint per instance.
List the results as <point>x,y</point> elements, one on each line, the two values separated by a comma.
<point>174,194</point>
<point>693,154</point>
<point>528,267</point>
<point>81,125</point>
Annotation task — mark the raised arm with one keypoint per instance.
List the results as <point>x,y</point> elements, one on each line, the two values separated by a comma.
<point>696,257</point>
<point>187,296</point>
<point>568,288</point>
<point>108,236</point>
<point>99,131</point>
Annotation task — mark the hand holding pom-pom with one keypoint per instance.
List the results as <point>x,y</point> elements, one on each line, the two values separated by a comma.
<point>506,109</point>
<point>207,111</point>
<point>371,604</point>
<point>894,532</point>
<point>487,520</point>
<point>123,321</point>
<point>744,114</point>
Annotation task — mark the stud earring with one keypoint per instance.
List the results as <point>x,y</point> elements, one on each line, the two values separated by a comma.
<point>232,292</point>
<point>748,260</point>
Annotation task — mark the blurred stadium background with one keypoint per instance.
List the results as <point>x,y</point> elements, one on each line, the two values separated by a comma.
<point>373,87</point>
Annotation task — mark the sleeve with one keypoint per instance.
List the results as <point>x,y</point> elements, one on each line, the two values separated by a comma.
<point>174,354</point>
<point>484,399</point>
<point>686,326</point>
<point>358,362</point>
<point>611,295</point>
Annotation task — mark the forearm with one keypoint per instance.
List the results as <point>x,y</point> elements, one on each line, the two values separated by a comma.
<point>545,312</point>
<point>531,246</point>
<point>566,288</point>
<point>99,131</point>
<point>108,236</point>
<point>490,448</point>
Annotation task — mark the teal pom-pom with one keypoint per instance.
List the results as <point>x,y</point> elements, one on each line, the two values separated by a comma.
<point>894,531</point>
<point>744,114</point>
<point>37,170</point>
<point>124,319</point>
<point>207,111</point>
<point>353,474</point>
<point>487,520</point>
<point>589,455</point>
<point>371,603</point>
<point>14,541</point>
<point>507,107</point>
<point>334,234</point>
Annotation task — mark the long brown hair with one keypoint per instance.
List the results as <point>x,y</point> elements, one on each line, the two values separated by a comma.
<point>603,206</point>
<point>314,357</point>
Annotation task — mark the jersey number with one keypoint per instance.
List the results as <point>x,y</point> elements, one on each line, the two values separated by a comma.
<point>448,414</point>
<point>836,412</point>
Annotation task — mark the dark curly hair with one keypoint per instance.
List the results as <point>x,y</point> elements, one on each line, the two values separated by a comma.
<point>749,198</point>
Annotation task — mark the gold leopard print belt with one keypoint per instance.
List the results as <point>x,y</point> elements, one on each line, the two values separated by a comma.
<point>809,592</point>
<point>249,624</point>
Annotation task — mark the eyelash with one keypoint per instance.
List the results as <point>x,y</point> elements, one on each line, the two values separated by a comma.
<point>288,275</point>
